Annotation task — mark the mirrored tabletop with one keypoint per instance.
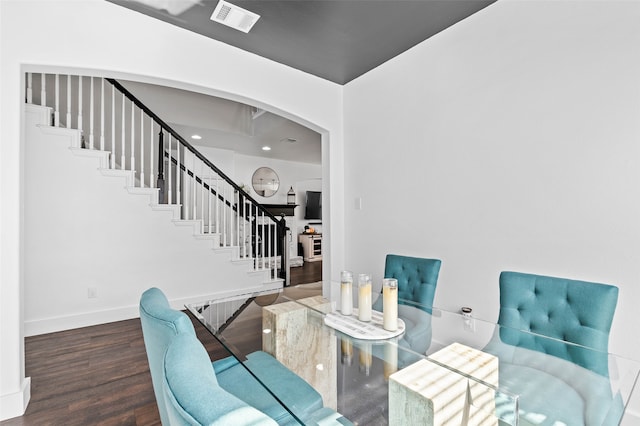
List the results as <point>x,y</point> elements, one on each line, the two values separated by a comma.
<point>441,367</point>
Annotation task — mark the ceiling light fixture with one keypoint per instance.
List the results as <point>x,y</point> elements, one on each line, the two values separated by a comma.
<point>196,137</point>
<point>290,140</point>
<point>234,16</point>
<point>266,148</point>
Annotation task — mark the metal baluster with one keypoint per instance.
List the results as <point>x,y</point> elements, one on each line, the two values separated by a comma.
<point>91,111</point>
<point>29,88</point>
<point>56,112</point>
<point>113,127</point>
<point>102,114</point>
<point>141,148</point>
<point>43,90</point>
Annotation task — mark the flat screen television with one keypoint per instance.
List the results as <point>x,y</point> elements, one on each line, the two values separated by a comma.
<point>313,207</point>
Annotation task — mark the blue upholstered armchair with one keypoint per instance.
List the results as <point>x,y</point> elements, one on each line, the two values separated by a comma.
<point>161,325</point>
<point>417,279</point>
<point>572,385</point>
<point>192,395</point>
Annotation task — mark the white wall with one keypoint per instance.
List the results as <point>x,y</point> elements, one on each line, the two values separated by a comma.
<point>508,142</point>
<point>105,39</point>
<point>91,233</point>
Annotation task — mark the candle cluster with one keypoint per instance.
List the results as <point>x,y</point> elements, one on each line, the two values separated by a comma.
<point>389,299</point>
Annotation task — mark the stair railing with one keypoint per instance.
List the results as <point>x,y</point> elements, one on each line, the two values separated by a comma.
<point>113,119</point>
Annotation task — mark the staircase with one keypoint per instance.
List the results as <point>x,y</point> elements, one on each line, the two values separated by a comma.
<point>130,142</point>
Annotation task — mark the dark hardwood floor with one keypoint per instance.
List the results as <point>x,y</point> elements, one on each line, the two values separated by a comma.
<point>100,376</point>
<point>309,272</point>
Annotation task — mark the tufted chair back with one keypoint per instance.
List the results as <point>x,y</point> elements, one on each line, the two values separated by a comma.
<point>417,278</point>
<point>579,312</point>
<point>160,324</point>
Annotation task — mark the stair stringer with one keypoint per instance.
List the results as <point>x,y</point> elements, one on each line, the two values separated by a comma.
<point>82,232</point>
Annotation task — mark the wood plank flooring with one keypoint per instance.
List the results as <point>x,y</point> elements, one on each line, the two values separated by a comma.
<point>309,272</point>
<point>97,375</point>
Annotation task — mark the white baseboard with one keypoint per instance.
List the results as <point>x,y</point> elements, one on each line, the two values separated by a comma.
<point>52,325</point>
<point>14,404</point>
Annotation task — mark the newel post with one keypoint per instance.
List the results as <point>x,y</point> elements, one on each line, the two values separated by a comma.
<point>161,167</point>
<point>284,235</point>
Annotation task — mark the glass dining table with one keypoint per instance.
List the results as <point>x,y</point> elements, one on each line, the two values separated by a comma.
<point>438,368</point>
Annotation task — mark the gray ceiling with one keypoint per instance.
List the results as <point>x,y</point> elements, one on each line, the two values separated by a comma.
<point>338,40</point>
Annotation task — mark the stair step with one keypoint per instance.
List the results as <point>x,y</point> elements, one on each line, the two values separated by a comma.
<point>143,191</point>
<point>273,284</point>
<point>244,261</point>
<point>103,156</point>
<point>129,175</point>
<point>75,135</point>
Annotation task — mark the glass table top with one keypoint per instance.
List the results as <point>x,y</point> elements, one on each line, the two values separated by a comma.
<point>443,367</point>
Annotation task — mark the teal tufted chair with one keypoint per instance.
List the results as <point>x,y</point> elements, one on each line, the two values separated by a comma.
<point>572,386</point>
<point>160,324</point>
<point>417,279</point>
<point>192,395</point>
<point>575,311</point>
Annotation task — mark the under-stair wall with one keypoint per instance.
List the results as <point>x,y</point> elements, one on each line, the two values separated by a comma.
<point>92,244</point>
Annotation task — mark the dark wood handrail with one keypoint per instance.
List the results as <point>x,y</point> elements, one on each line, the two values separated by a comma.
<point>279,222</point>
<point>195,152</point>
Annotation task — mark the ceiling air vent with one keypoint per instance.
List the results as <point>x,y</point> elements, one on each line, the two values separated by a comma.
<point>234,16</point>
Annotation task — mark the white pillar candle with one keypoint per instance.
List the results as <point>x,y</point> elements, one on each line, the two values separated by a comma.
<point>390,304</point>
<point>346,293</point>
<point>364,297</point>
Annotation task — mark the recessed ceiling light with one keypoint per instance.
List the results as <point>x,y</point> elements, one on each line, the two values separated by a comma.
<point>266,148</point>
<point>234,16</point>
<point>196,137</point>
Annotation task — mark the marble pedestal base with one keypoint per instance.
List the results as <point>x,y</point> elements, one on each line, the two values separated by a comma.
<point>428,393</point>
<point>299,340</point>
